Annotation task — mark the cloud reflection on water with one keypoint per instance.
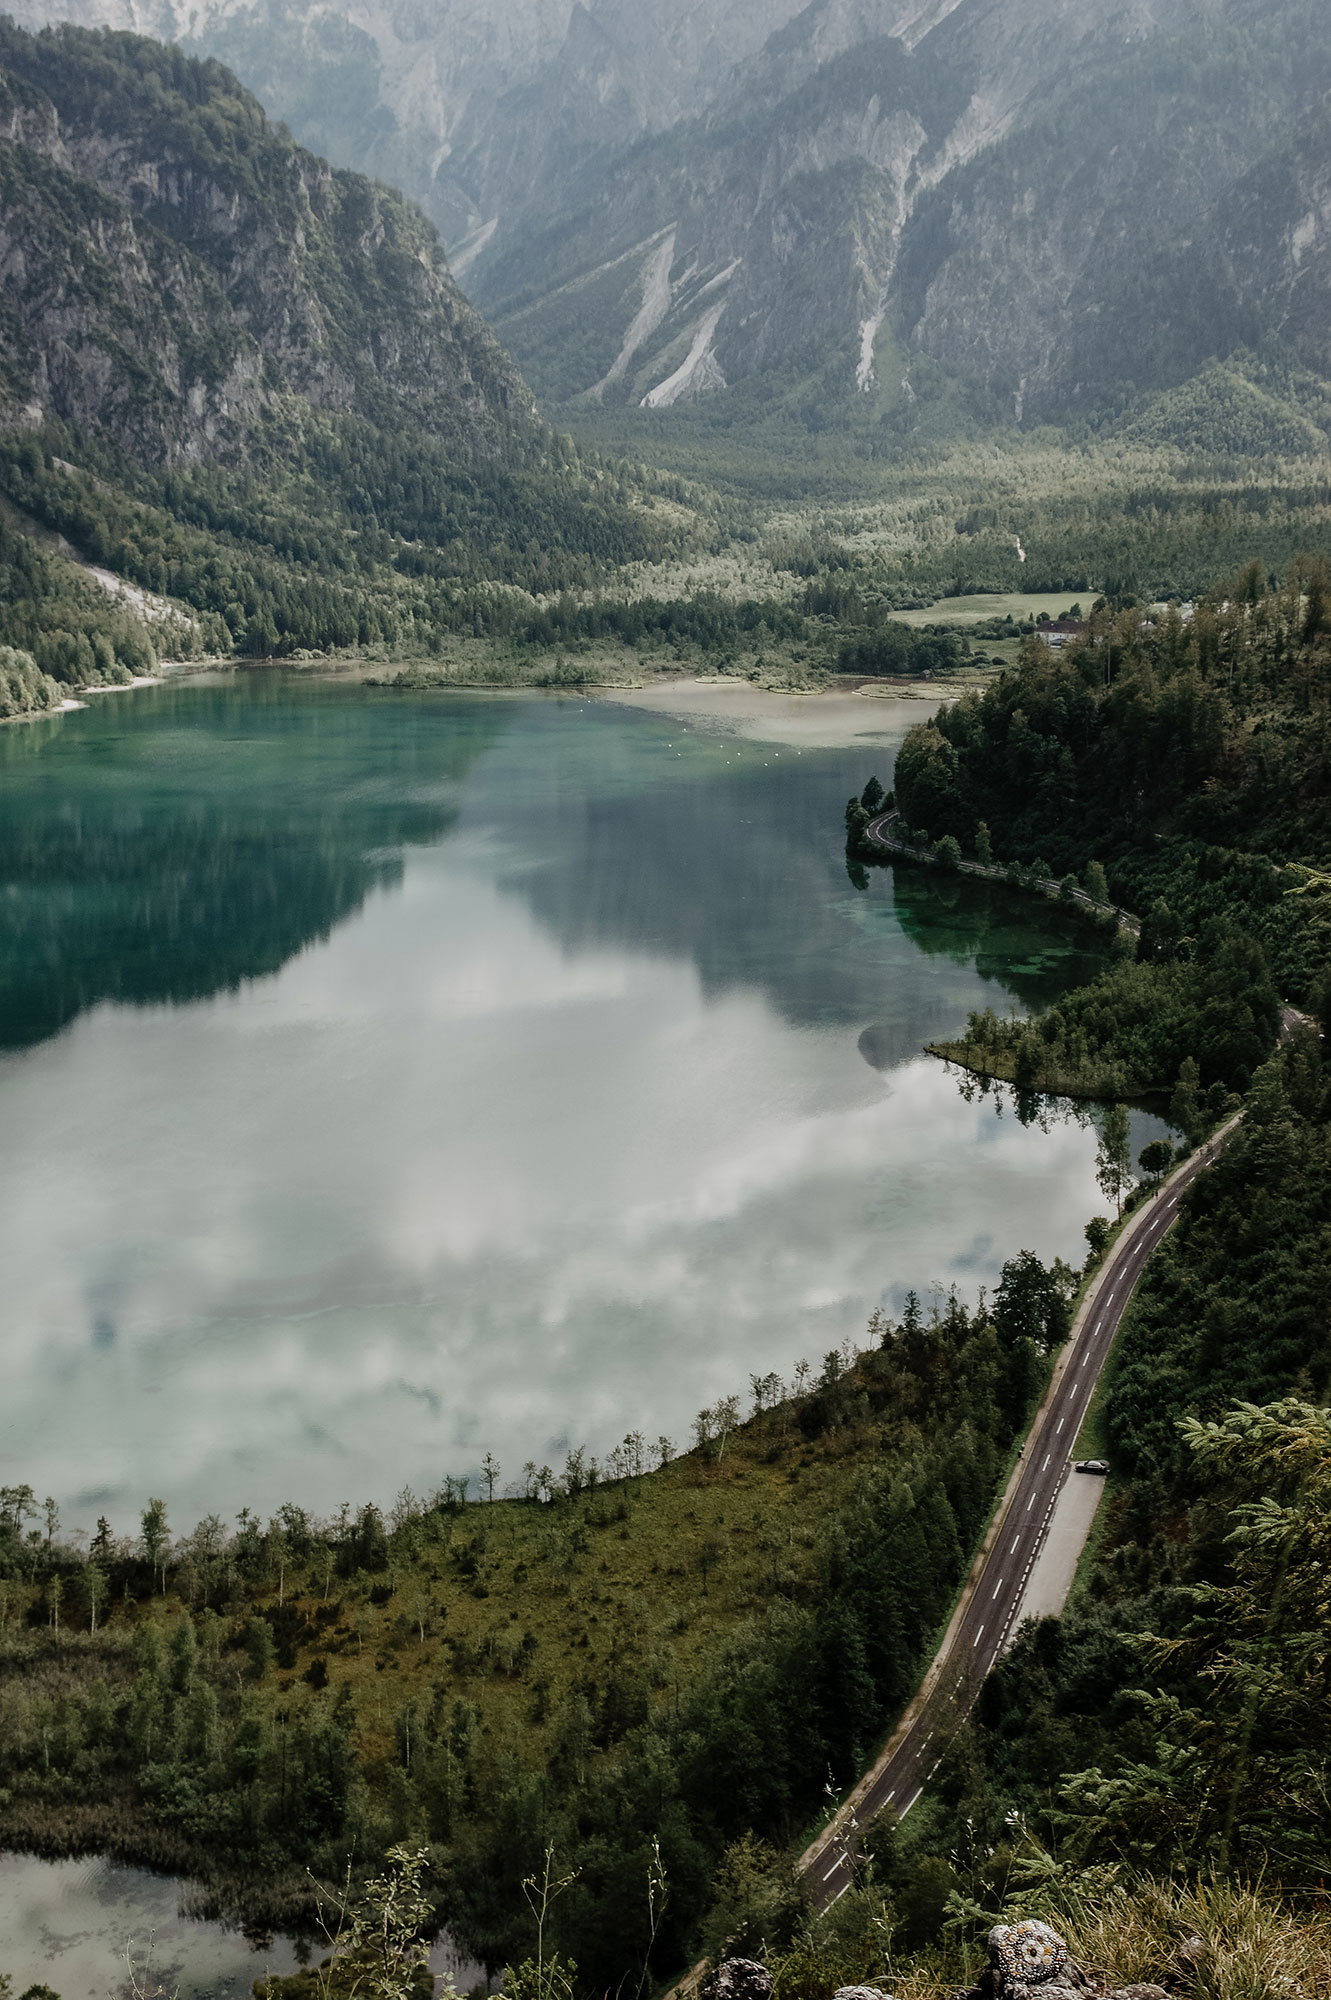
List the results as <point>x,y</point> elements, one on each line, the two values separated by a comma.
<point>562,1134</point>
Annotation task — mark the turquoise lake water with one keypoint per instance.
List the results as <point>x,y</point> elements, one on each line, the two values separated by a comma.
<point>388,1079</point>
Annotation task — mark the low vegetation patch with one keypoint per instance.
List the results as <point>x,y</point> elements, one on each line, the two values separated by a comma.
<point>660,1650</point>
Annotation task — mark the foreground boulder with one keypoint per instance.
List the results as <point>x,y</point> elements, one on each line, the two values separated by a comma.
<point>1030,1961</point>
<point>737,1979</point>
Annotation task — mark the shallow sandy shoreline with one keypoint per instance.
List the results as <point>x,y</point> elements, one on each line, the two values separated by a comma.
<point>826,718</point>
<point>122,687</point>
<point>68,706</point>
<point>829,719</point>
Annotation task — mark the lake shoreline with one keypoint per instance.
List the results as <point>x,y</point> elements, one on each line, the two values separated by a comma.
<point>70,705</point>
<point>841,689</point>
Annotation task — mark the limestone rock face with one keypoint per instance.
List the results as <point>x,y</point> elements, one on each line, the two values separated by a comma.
<point>175,270</point>
<point>737,1979</point>
<point>1030,1961</point>
<point>1061,203</point>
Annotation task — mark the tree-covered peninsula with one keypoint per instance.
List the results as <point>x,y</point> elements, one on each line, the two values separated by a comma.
<point>1181,767</point>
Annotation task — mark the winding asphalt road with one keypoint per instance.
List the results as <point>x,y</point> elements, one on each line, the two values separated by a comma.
<point>983,1618</point>
<point>982,1622</point>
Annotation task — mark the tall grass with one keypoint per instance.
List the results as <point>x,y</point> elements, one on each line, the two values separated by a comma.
<point>1210,1939</point>
<point>1257,1943</point>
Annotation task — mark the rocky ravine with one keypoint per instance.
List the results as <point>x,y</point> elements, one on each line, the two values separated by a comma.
<point>1063,205</point>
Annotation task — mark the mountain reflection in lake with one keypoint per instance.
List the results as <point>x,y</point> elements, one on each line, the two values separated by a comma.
<point>441,1073</point>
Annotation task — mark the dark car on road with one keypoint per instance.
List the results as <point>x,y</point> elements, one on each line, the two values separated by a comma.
<point>1100,1465</point>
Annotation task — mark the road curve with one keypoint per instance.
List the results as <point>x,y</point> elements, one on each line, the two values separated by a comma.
<point>983,1617</point>
<point>880,831</point>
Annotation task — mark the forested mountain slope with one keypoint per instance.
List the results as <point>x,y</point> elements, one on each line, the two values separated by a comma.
<point>468,105</point>
<point>1171,1726</point>
<point>176,271</point>
<point>1188,764</point>
<point>1189,757</point>
<point>234,376</point>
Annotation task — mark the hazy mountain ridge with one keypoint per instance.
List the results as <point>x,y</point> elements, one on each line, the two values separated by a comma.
<point>468,106</point>
<point>1068,207</point>
<point>1138,223</point>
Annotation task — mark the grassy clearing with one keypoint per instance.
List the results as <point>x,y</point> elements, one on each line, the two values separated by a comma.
<point>510,1605</point>
<point>671,1563</point>
<point>978,608</point>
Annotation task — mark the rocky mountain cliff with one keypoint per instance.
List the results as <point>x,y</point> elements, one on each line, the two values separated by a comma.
<point>1067,207</point>
<point>470,106</point>
<point>1155,205</point>
<point>1064,205</point>
<point>175,271</point>
<point>242,402</point>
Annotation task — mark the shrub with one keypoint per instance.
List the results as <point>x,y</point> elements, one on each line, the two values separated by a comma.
<point>24,688</point>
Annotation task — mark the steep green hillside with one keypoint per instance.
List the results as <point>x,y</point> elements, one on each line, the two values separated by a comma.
<point>1169,1732</point>
<point>1189,758</point>
<point>233,376</point>
<point>1171,1728</point>
<point>1222,413</point>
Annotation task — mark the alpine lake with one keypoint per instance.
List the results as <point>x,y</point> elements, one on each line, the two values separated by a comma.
<point>387,1078</point>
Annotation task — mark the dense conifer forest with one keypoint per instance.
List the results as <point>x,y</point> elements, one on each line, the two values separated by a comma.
<point>1173,1722</point>
<point>1183,766</point>
<point>1174,1719</point>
